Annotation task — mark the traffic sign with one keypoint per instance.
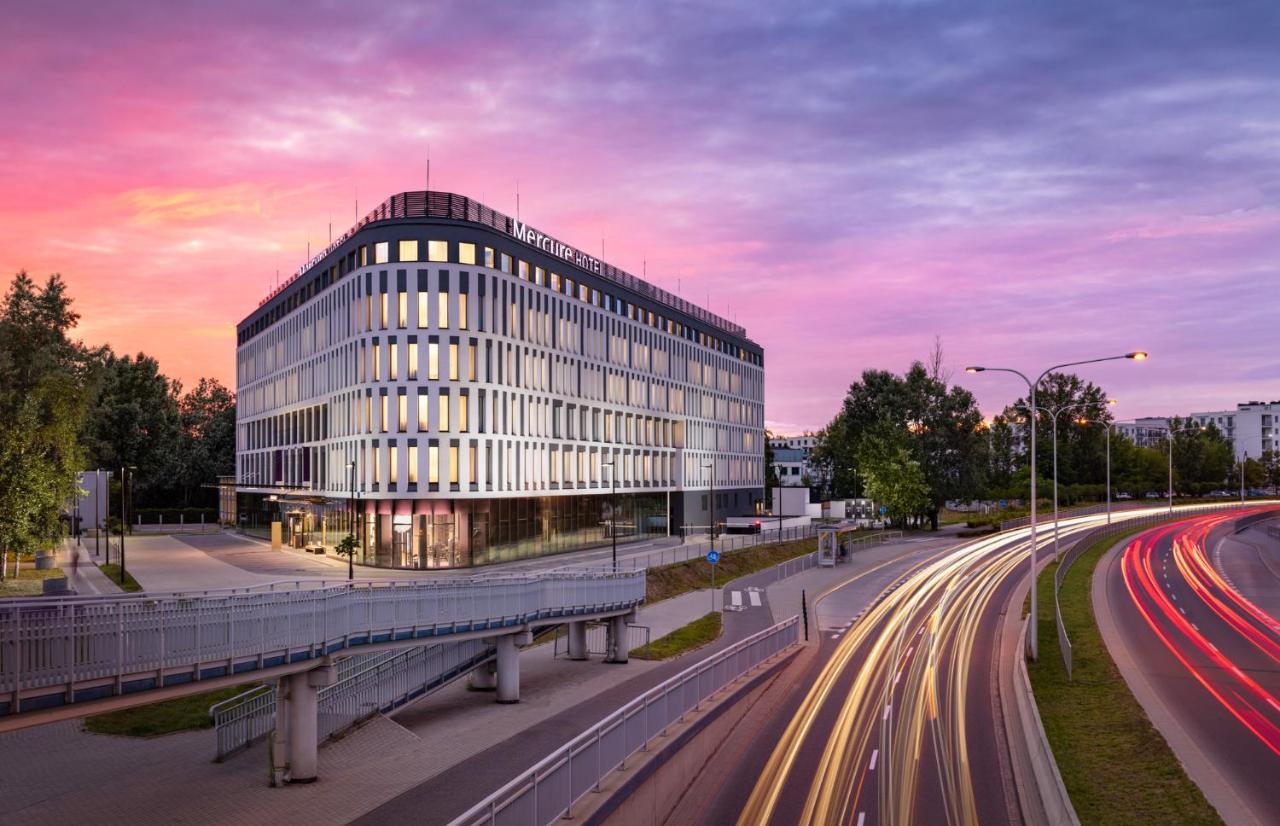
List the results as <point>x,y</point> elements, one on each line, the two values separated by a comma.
<point>1004,503</point>
<point>883,510</point>
<point>713,557</point>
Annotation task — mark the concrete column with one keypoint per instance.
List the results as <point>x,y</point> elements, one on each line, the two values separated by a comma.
<point>484,678</point>
<point>302,739</point>
<point>577,641</point>
<point>508,669</point>
<point>617,645</point>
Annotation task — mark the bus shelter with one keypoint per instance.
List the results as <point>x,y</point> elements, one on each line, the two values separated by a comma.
<point>831,548</point>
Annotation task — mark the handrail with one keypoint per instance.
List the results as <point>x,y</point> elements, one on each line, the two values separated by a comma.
<point>608,744</point>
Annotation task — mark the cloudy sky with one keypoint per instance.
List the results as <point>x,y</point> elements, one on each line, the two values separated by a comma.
<point>1033,182</point>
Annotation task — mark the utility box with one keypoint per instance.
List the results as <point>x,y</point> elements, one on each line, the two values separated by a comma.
<point>789,501</point>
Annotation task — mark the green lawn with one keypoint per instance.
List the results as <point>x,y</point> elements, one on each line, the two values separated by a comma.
<point>696,634</point>
<point>682,577</point>
<point>113,573</point>
<point>181,714</point>
<point>28,581</point>
<point>1116,767</point>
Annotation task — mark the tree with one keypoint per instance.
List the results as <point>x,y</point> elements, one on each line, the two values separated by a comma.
<point>1271,469</point>
<point>46,382</point>
<point>896,481</point>
<point>770,470</point>
<point>207,447</point>
<point>135,421</point>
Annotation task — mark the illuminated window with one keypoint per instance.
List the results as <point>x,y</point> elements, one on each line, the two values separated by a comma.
<point>423,305</point>
<point>462,311</point>
<point>522,269</point>
<point>462,413</point>
<point>443,308</point>
<point>442,420</point>
<point>539,276</point>
<point>381,252</point>
<point>413,360</point>
<point>505,261</point>
<point>394,464</point>
<point>437,250</point>
<point>402,310</point>
<point>488,257</point>
<point>471,463</point>
<point>471,362</point>
<point>453,361</point>
<point>402,411</point>
<point>433,360</point>
<point>409,250</point>
<point>453,464</point>
<point>376,461</point>
<point>393,361</point>
<point>377,361</point>
<point>384,413</point>
<point>424,405</point>
<point>413,464</point>
<point>383,304</point>
<point>466,253</point>
<point>555,281</point>
<point>433,464</point>
<point>364,255</point>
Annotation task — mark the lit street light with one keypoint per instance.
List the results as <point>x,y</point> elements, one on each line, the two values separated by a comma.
<point>1033,645</point>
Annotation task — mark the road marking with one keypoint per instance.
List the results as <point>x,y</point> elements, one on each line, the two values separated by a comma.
<point>735,597</point>
<point>755,598</point>
<point>1196,627</point>
<point>835,636</point>
<point>861,817</point>
<point>887,709</point>
<point>874,754</point>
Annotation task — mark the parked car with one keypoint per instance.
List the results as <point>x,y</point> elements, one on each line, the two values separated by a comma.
<point>1151,494</point>
<point>1124,495</point>
<point>1218,494</point>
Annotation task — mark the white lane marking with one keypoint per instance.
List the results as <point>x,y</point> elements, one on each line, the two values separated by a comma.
<point>863,815</point>
<point>1193,625</point>
<point>874,754</point>
<point>835,636</point>
<point>887,709</point>
<point>755,598</point>
<point>735,598</point>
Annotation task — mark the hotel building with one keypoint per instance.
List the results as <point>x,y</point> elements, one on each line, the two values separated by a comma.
<point>477,391</point>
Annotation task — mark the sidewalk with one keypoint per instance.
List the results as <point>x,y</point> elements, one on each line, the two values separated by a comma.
<point>86,579</point>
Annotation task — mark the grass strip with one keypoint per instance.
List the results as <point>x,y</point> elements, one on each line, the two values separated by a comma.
<point>113,573</point>
<point>29,580</point>
<point>695,574</point>
<point>180,714</point>
<point>696,634</point>
<point>1116,766</point>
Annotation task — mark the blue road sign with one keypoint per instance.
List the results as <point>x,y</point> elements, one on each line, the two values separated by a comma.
<point>1004,503</point>
<point>883,510</point>
<point>713,557</point>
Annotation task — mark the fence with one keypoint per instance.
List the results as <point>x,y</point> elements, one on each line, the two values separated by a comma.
<point>1090,537</point>
<point>1046,516</point>
<point>597,639</point>
<point>729,543</point>
<point>142,641</point>
<point>550,789</point>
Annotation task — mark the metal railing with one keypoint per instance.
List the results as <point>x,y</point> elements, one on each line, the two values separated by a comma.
<point>729,543</point>
<point>549,790</point>
<point>638,636</point>
<point>1044,516</point>
<point>54,647</point>
<point>1087,540</point>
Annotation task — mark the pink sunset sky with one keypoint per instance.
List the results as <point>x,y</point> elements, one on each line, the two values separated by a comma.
<point>1034,182</point>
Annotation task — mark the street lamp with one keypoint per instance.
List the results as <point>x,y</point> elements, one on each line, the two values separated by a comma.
<point>613,509</point>
<point>126,478</point>
<point>351,526</point>
<point>1033,643</point>
<point>712,500</point>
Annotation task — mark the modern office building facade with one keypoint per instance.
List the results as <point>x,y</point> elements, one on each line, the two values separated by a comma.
<point>477,391</point>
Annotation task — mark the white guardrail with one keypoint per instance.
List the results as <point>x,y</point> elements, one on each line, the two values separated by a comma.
<point>79,648</point>
<point>729,543</point>
<point>549,790</point>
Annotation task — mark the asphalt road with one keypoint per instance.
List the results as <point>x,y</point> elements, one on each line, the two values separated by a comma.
<point>1209,655</point>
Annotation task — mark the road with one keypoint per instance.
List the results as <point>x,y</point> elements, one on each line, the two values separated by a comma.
<point>897,719</point>
<point>1203,658</point>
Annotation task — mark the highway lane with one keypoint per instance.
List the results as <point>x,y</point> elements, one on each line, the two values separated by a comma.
<point>899,718</point>
<point>1210,657</point>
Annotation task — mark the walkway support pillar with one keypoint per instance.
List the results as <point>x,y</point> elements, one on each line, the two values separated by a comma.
<point>301,739</point>
<point>617,640</point>
<point>508,669</point>
<point>578,640</point>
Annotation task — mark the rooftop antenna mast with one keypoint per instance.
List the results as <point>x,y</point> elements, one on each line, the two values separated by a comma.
<point>330,227</point>
<point>517,199</point>
<point>428,167</point>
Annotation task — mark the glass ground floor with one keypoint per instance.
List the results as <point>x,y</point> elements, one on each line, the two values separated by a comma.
<point>455,533</point>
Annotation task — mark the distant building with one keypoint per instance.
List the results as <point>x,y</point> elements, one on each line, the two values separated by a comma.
<point>1251,427</point>
<point>791,460</point>
<point>1145,432</point>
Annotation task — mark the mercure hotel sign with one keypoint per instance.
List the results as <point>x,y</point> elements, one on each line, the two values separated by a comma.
<point>529,235</point>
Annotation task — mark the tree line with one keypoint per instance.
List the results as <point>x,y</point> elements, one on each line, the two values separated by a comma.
<point>914,441</point>
<point>66,407</point>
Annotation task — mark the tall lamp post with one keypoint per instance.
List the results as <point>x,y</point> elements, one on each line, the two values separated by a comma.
<point>1244,461</point>
<point>97,510</point>
<point>613,509</point>
<point>1033,644</point>
<point>126,484</point>
<point>712,501</point>
<point>351,525</point>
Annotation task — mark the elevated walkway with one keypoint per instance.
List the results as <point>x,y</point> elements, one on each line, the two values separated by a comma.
<point>72,656</point>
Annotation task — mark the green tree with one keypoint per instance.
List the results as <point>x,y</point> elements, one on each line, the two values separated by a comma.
<point>46,383</point>
<point>135,421</point>
<point>1271,469</point>
<point>207,446</point>
<point>895,480</point>
<point>770,471</point>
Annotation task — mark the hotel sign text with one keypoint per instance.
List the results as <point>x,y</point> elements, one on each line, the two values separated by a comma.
<point>546,243</point>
